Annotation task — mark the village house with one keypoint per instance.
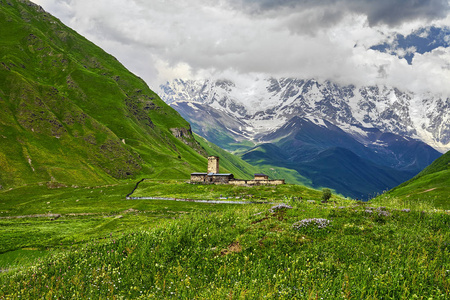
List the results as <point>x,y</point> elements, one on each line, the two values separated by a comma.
<point>214,177</point>
<point>261,177</point>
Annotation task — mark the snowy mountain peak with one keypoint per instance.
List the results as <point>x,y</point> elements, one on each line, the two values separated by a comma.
<point>264,105</point>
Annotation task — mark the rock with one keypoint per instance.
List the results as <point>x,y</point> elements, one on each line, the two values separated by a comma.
<point>279,207</point>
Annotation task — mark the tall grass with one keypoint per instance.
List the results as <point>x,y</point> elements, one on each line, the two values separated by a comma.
<point>253,253</point>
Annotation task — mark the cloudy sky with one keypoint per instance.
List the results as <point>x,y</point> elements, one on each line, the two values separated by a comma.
<point>160,40</point>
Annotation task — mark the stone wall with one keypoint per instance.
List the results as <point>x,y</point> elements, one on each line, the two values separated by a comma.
<point>222,178</point>
<point>213,179</point>
<point>198,178</point>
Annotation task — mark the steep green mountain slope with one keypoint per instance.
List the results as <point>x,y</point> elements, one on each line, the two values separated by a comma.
<point>432,184</point>
<point>71,114</point>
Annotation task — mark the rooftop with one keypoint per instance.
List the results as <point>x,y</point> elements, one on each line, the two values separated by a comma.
<point>212,174</point>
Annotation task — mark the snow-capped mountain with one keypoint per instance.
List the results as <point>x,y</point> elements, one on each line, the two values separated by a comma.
<point>358,141</point>
<point>257,109</point>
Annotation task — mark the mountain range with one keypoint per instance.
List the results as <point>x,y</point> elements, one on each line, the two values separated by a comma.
<point>71,114</point>
<point>357,140</point>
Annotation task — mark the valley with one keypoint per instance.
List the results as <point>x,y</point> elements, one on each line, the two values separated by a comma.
<point>89,155</point>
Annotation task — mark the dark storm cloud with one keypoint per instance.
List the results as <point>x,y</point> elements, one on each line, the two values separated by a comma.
<point>389,12</point>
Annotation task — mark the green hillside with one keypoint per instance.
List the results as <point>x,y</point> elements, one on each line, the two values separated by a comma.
<point>431,185</point>
<point>71,114</point>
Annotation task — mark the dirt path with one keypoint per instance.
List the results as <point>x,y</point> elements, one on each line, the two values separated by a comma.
<point>427,191</point>
<point>54,216</point>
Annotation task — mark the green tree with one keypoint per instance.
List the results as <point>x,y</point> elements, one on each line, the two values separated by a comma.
<point>326,194</point>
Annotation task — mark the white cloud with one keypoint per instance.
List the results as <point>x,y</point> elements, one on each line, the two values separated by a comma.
<point>164,39</point>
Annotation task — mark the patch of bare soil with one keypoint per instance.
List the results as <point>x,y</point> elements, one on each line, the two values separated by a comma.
<point>233,247</point>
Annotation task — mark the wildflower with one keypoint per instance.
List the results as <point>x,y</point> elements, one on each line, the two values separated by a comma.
<point>320,223</point>
<point>382,212</point>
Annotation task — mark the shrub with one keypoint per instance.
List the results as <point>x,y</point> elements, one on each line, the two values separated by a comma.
<point>326,194</point>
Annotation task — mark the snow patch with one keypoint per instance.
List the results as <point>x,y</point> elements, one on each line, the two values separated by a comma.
<point>191,105</point>
<point>317,121</point>
<point>354,130</point>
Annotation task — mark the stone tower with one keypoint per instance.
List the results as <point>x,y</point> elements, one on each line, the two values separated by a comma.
<point>213,164</point>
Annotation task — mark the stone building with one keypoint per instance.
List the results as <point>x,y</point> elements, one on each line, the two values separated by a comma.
<point>261,177</point>
<point>213,164</point>
<point>214,177</point>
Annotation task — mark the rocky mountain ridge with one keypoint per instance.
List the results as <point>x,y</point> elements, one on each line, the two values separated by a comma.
<point>267,104</point>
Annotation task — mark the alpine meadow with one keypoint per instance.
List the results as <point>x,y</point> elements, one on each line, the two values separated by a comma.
<point>97,202</point>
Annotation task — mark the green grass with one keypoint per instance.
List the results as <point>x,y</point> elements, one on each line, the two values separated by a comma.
<point>85,214</point>
<point>249,252</point>
<point>21,258</point>
<point>433,188</point>
<point>174,189</point>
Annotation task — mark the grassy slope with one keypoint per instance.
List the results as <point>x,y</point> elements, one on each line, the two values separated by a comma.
<point>85,214</point>
<point>431,185</point>
<point>218,252</point>
<point>71,113</point>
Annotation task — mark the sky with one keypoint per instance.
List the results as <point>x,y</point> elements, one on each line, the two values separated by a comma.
<point>160,40</point>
